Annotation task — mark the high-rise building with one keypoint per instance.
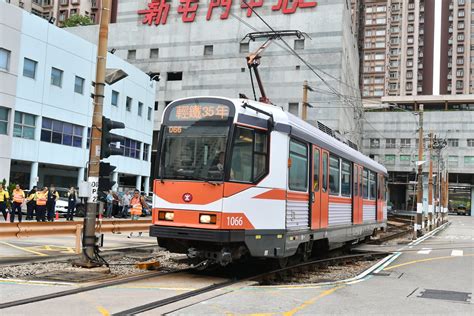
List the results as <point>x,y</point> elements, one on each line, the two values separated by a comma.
<point>58,11</point>
<point>414,47</point>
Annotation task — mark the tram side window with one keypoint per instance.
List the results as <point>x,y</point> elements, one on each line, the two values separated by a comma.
<point>316,170</point>
<point>325,172</point>
<point>345,178</point>
<point>249,155</point>
<point>372,186</point>
<point>299,166</point>
<point>365,184</point>
<point>334,169</point>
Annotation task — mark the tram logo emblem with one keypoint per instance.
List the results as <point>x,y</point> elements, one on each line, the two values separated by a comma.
<point>187,197</point>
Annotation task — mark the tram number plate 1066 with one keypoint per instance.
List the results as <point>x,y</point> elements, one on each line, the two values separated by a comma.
<point>235,221</point>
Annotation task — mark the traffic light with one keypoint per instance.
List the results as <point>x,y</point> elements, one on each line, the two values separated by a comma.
<point>108,138</point>
<point>105,176</point>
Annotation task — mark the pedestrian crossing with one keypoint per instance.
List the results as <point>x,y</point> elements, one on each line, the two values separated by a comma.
<point>454,252</point>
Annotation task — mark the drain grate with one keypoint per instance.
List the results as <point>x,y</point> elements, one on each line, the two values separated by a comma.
<point>72,276</point>
<point>446,295</point>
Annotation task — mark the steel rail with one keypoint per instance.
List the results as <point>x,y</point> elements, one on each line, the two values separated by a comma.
<point>87,288</point>
<point>216,286</point>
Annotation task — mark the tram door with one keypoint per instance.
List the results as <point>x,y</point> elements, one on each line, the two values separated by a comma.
<point>324,188</point>
<point>316,189</point>
<point>357,195</point>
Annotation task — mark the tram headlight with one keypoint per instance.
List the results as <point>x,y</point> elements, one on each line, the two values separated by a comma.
<point>207,219</point>
<point>166,216</point>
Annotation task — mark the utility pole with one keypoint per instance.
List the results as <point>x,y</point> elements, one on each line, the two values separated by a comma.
<point>430,187</point>
<point>419,197</point>
<point>306,105</point>
<point>89,239</point>
<point>446,196</point>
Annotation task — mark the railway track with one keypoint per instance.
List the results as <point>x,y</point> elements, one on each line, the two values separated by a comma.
<point>190,294</point>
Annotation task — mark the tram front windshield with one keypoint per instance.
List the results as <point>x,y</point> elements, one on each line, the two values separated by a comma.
<point>194,141</point>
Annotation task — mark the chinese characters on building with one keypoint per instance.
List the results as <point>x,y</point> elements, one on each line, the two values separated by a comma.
<point>158,10</point>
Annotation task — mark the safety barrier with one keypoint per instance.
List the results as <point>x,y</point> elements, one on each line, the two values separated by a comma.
<point>31,229</point>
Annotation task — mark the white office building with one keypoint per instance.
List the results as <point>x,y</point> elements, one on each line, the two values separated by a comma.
<point>46,81</point>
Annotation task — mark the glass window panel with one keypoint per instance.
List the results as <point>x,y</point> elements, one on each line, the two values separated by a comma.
<point>241,165</point>
<point>78,130</point>
<point>77,141</point>
<point>299,166</point>
<point>29,132</point>
<point>46,136</point>
<point>67,139</point>
<point>47,123</point>
<point>3,114</point>
<point>18,117</point>
<point>29,119</point>
<point>58,126</point>
<point>365,184</point>
<point>346,179</point>
<point>56,77</point>
<point>67,128</point>
<point>298,148</point>
<point>334,175</point>
<point>29,68</point>
<point>57,138</point>
<point>316,170</point>
<point>259,166</point>
<point>16,130</point>
<point>3,128</point>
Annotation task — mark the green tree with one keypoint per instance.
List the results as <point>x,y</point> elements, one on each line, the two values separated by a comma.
<point>76,20</point>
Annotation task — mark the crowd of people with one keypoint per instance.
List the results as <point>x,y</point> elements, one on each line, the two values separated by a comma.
<point>41,204</point>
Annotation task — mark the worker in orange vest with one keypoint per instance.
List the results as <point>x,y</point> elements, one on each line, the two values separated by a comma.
<point>18,198</point>
<point>136,208</point>
<point>41,197</point>
<point>4,196</point>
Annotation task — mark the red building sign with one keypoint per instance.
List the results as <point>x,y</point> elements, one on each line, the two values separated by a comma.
<point>158,10</point>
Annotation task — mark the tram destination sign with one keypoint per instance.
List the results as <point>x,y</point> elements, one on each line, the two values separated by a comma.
<point>196,112</point>
<point>157,11</point>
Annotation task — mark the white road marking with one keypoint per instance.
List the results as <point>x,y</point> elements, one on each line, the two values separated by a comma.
<point>424,251</point>
<point>457,253</point>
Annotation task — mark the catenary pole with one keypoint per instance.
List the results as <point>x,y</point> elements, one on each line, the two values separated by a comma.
<point>419,197</point>
<point>430,186</point>
<point>88,239</point>
<point>304,115</point>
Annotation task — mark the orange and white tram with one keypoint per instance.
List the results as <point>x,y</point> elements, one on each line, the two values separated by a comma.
<point>238,177</point>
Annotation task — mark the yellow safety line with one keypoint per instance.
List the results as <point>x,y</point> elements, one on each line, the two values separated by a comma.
<point>103,311</point>
<point>312,301</point>
<point>424,260</point>
<point>24,249</point>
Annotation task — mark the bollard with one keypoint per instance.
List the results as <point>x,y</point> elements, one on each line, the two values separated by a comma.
<point>57,215</point>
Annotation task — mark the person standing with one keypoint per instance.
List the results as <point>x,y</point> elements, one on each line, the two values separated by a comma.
<point>18,199</point>
<point>110,201</point>
<point>53,196</point>
<point>4,196</point>
<point>126,203</point>
<point>136,207</point>
<point>71,204</point>
<point>31,204</point>
<point>41,198</point>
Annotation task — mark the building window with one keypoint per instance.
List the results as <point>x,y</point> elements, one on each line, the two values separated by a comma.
<point>470,142</point>
<point>405,143</point>
<point>298,173</point>
<point>56,77</point>
<point>154,52</point>
<point>374,143</point>
<point>29,68</point>
<point>208,50</point>
<point>128,104</point>
<point>148,116</point>
<point>390,143</point>
<point>453,160</point>
<point>293,108</point>
<point>115,98</point>
<point>299,44</point>
<point>79,85</point>
<point>244,48</point>
<point>460,73</point>
<point>156,105</point>
<point>389,159</point>
<point>131,148</point>
<point>453,142</point>
<point>146,149</point>
<point>4,59</point>
<point>24,125</point>
<point>132,54</point>
<point>405,159</point>
<point>334,170</point>
<point>63,133</point>
<point>3,121</point>
<point>461,37</point>
<point>140,108</point>
<point>468,160</point>
<point>174,76</point>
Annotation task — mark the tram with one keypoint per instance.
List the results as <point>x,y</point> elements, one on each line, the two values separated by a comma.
<point>240,178</point>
